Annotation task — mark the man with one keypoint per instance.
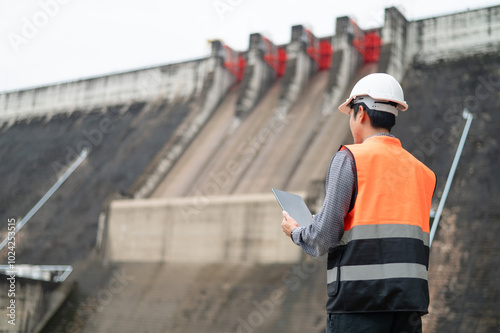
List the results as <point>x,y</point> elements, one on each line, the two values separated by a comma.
<point>374,223</point>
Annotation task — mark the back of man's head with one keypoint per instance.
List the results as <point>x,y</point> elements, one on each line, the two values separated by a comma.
<point>378,119</point>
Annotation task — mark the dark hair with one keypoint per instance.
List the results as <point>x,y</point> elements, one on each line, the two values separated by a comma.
<point>378,119</point>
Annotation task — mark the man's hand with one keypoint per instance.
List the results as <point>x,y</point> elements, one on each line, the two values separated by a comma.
<point>288,224</point>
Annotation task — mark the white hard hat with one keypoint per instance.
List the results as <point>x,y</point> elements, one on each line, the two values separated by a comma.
<point>375,90</point>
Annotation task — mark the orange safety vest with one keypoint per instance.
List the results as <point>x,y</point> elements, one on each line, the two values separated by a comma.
<point>382,260</point>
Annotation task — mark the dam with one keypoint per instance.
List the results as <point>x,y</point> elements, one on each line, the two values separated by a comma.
<point>169,223</point>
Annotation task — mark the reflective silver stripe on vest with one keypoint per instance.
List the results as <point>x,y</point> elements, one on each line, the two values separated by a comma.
<point>377,272</point>
<point>372,231</point>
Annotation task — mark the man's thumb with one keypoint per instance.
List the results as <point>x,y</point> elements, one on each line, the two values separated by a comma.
<point>286,215</point>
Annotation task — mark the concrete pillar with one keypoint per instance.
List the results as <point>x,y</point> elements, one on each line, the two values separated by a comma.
<point>299,67</point>
<point>346,61</point>
<point>258,75</point>
<point>394,44</point>
<point>217,50</point>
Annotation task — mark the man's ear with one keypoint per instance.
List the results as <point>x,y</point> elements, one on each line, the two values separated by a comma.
<point>361,113</point>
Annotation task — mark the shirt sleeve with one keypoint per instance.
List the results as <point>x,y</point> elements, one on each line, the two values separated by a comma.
<point>327,227</point>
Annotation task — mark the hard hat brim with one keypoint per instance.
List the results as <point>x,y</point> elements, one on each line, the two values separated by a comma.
<point>345,108</point>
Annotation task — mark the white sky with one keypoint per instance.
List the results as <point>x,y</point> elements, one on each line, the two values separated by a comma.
<point>47,41</point>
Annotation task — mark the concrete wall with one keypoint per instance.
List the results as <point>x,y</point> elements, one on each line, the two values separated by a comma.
<point>169,82</point>
<point>225,229</point>
<point>430,40</point>
<point>393,58</point>
<point>179,80</point>
<point>455,36</point>
<point>35,303</point>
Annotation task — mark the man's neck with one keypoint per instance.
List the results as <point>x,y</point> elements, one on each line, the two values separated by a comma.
<point>375,131</point>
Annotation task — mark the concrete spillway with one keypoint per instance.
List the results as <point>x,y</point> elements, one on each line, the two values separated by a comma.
<point>231,154</point>
<point>197,155</point>
<point>283,149</point>
<point>174,196</point>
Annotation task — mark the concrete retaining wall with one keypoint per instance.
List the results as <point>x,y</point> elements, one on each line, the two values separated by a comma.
<point>455,36</point>
<point>169,82</point>
<point>430,40</point>
<point>179,80</point>
<point>35,302</point>
<point>225,229</point>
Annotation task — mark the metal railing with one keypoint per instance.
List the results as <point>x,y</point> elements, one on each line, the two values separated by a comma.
<point>468,116</point>
<point>43,272</point>
<point>47,195</point>
<point>55,273</point>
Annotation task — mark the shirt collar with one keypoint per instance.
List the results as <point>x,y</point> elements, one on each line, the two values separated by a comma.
<point>379,134</point>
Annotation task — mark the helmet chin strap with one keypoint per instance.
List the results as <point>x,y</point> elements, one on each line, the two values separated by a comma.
<point>376,105</point>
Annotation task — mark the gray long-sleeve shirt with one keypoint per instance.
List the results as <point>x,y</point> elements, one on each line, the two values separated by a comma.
<point>328,225</point>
